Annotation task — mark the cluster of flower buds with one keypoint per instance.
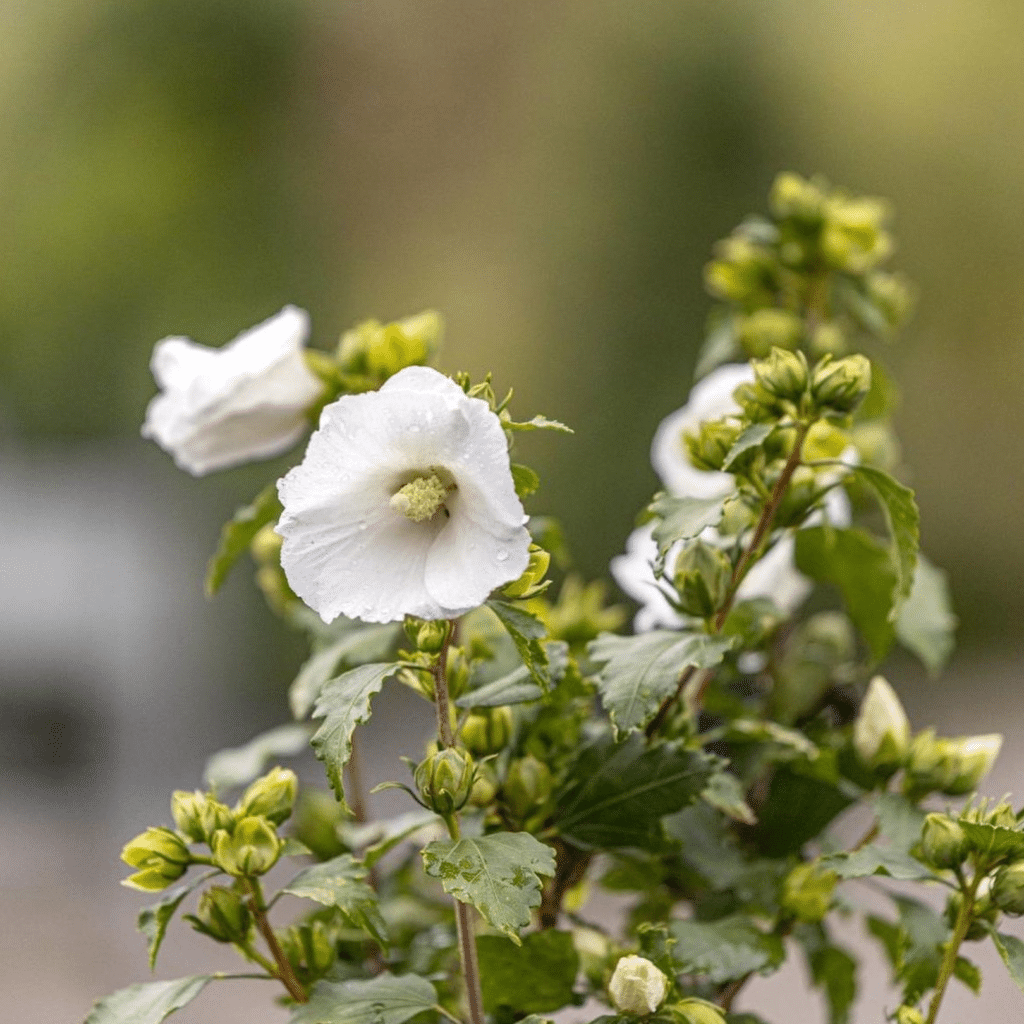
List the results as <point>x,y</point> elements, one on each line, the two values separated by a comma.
<point>243,839</point>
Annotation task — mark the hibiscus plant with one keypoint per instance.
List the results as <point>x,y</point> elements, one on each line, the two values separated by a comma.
<point>702,765</point>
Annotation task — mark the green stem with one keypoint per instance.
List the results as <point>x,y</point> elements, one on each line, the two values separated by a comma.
<point>283,969</point>
<point>963,924</point>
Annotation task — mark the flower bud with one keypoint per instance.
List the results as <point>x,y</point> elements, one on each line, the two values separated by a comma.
<point>827,340</point>
<point>881,732</point>
<point>457,672</point>
<point>315,825</point>
<point>783,374</point>
<point>795,198</point>
<point>909,1015</point>
<point>757,405</point>
<point>854,238</point>
<point>265,547</point>
<point>1007,891</point>
<point>637,986</point>
<point>487,731</point>
<point>251,849</point>
<point>222,915</point>
<point>973,758</point>
<point>271,797</point>
<point>445,780</point>
<point>696,1011</point>
<point>766,329</point>
<point>701,578</point>
<point>527,785</point>
<point>381,350</point>
<point>198,815</point>
<point>839,385</point>
<point>161,857</point>
<point>485,786</point>
<point>710,445</point>
<point>928,764</point>
<point>807,892</point>
<point>943,842</point>
<point>531,582</point>
<point>741,272</point>
<point>429,635</point>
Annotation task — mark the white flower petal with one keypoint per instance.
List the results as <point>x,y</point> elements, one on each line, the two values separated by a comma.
<point>634,573</point>
<point>776,577</point>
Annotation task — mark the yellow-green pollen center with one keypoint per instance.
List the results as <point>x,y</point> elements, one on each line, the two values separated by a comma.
<point>421,497</point>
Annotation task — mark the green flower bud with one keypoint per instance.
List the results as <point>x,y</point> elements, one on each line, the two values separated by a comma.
<point>161,857</point>
<point>909,1015</point>
<point>265,547</point>
<point>973,758</point>
<point>696,1011</point>
<point>271,797</point>
<point>485,787</point>
<point>315,825</point>
<point>527,786</point>
<point>1007,891</point>
<point>457,672</point>
<point>429,635</point>
<point>757,405</point>
<point>487,731</point>
<point>198,815</point>
<point>838,386</point>
<point>854,238</point>
<point>741,272</point>
<point>783,374</point>
<point>795,198</point>
<point>381,350</point>
<point>709,446</point>
<point>532,580</point>
<point>251,849</point>
<point>807,892</point>
<point>701,578</point>
<point>222,915</point>
<point>827,339</point>
<point>881,731</point>
<point>943,842</point>
<point>445,780</point>
<point>637,986</point>
<point>766,329</point>
<point>928,764</point>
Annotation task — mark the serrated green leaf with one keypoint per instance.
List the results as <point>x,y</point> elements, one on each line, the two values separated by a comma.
<point>725,793</point>
<point>1011,950</point>
<point>525,480</point>
<point>526,631</point>
<point>340,882</point>
<point>926,624</point>
<point>536,977</point>
<point>683,518</point>
<point>386,999</point>
<point>515,687</point>
<point>153,921</point>
<point>642,671</point>
<point>360,643</point>
<point>861,569</point>
<point>992,842</point>
<point>751,437</point>
<point>899,820</point>
<point>877,860</point>
<point>904,521</point>
<point>618,792</point>
<point>238,766</point>
<point>499,874</point>
<point>344,703</point>
<point>237,534</point>
<point>149,1003</point>
<point>724,950</point>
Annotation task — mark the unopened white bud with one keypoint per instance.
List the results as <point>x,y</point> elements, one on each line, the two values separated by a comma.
<point>881,732</point>
<point>637,986</point>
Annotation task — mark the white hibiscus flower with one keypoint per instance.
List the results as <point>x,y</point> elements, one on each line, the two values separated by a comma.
<point>403,505</point>
<point>247,400</point>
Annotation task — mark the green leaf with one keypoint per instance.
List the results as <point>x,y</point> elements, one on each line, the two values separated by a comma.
<point>1011,949</point>
<point>642,671</point>
<point>904,523</point>
<point>967,973</point>
<point>499,874</point>
<point>515,687</point>
<point>899,820</point>
<point>754,435</point>
<point>725,793</point>
<point>797,810</point>
<point>683,518</point>
<point>536,977</point>
<point>343,703</point>
<point>525,479</point>
<point>340,883</point>
<point>925,932</point>
<point>238,766</point>
<point>861,569</point>
<point>386,999</point>
<point>926,624</point>
<point>526,631</point>
<point>993,842</point>
<point>361,643</point>
<point>237,534</point>
<point>724,950</point>
<point>874,859</point>
<point>153,921</point>
<point>617,793</point>
<point>149,1003</point>
<point>379,837</point>
<point>538,423</point>
<point>835,971</point>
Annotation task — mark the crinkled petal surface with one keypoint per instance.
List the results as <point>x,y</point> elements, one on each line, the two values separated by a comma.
<point>710,399</point>
<point>222,407</point>
<point>347,552</point>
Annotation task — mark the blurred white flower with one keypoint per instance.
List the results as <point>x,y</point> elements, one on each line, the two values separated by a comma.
<point>403,505</point>
<point>247,400</point>
<point>637,986</point>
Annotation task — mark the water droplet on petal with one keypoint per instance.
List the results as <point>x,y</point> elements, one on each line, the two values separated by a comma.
<point>501,554</point>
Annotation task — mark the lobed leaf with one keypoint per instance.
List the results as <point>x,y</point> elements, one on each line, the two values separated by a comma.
<point>751,437</point>
<point>683,518</point>
<point>237,534</point>
<point>724,950</point>
<point>499,874</point>
<point>525,480</point>
<point>526,631</point>
<point>149,1003</point>
<point>386,999</point>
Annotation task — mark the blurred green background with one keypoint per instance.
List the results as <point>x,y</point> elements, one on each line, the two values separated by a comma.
<point>551,176</point>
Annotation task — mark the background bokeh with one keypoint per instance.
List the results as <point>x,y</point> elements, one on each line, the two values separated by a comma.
<point>551,176</point>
